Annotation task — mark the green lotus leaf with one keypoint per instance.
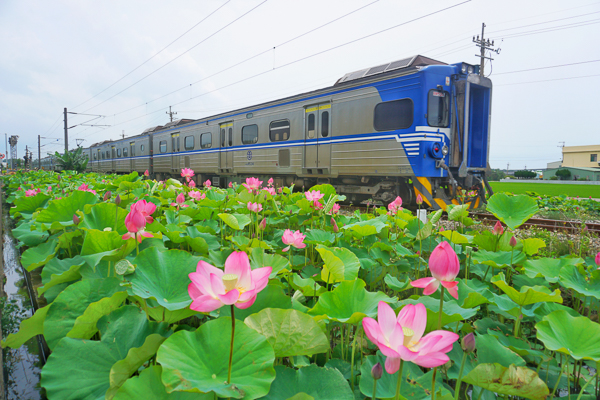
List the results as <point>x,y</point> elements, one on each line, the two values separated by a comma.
<point>532,245</point>
<point>29,327</point>
<point>163,276</point>
<point>518,345</point>
<point>313,381</point>
<point>198,361</point>
<point>490,351</point>
<point>79,369</point>
<point>451,312</point>
<point>340,264</point>
<point>85,324</point>
<point>571,278</point>
<point>548,308</point>
<point>415,384</point>
<point>62,210</point>
<point>473,293</point>
<point>498,259</point>
<point>318,236</point>
<point>59,271</point>
<point>574,336</point>
<point>26,206</point>
<point>30,238</point>
<point>349,302</point>
<point>512,210</point>
<point>105,245</point>
<point>35,257</point>
<point>235,221</point>
<point>425,231</point>
<point>211,240</point>
<point>393,283</point>
<point>260,259</point>
<point>548,268</point>
<point>105,215</point>
<point>136,357</point>
<point>160,313</point>
<point>308,286</point>
<point>72,302</point>
<point>455,237</point>
<point>301,396</point>
<point>271,296</point>
<point>290,332</point>
<point>528,294</point>
<point>148,386</point>
<point>512,381</point>
<point>366,228</point>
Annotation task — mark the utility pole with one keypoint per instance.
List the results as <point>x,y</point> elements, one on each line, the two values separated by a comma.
<point>39,154</point>
<point>123,134</point>
<point>6,142</point>
<point>484,45</point>
<point>171,113</point>
<point>66,133</point>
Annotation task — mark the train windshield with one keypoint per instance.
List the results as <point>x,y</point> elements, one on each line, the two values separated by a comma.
<point>438,108</point>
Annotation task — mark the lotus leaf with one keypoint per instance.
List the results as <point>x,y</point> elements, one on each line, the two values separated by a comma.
<point>105,215</point>
<point>574,336</point>
<point>35,257</point>
<point>340,264</point>
<point>59,271</point>
<point>148,383</point>
<point>235,221</point>
<point>548,268</point>
<point>512,381</point>
<point>527,295</point>
<point>29,327</point>
<point>316,382</point>
<point>512,210</point>
<point>26,206</point>
<point>572,278</point>
<point>62,210</point>
<point>31,238</point>
<point>489,350</point>
<point>498,259</point>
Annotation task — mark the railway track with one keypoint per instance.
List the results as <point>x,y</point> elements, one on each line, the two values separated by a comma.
<point>572,227</point>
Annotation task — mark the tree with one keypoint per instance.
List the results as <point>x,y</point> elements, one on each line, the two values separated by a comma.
<point>563,174</point>
<point>496,175</point>
<point>73,160</point>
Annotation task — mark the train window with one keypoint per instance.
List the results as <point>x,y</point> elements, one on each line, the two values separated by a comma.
<point>311,126</point>
<point>279,130</point>
<point>188,142</point>
<point>230,137</point>
<point>223,137</point>
<point>163,146</point>
<point>118,152</point>
<point>250,134</point>
<point>108,154</point>
<point>95,156</point>
<point>141,149</point>
<point>125,152</point>
<point>438,108</point>
<point>325,124</point>
<point>206,140</point>
<point>396,114</point>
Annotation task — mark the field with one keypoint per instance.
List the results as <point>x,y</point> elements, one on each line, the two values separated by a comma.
<point>548,189</point>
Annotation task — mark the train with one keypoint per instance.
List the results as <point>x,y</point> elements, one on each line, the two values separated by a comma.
<point>411,127</point>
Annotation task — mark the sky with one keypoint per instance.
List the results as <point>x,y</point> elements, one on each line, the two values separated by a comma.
<point>128,61</point>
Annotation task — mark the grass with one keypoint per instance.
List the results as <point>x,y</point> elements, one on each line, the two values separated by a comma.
<point>550,189</point>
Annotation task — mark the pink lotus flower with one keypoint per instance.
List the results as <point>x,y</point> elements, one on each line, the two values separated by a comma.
<point>598,259</point>
<point>270,190</point>
<point>270,182</point>
<point>254,207</point>
<point>230,184</point>
<point>32,192</point>
<point>135,223</point>
<point>402,338</point>
<point>335,209</point>
<point>317,205</point>
<point>207,184</point>
<point>498,229</point>
<point>212,288</point>
<point>334,224</point>
<point>252,184</point>
<point>395,205</point>
<point>444,267</point>
<point>263,224</point>
<point>49,189</point>
<point>192,184</point>
<point>196,195</point>
<point>314,196</point>
<point>180,199</point>
<point>419,199</point>
<point>146,173</point>
<point>293,239</point>
<point>187,173</point>
<point>146,208</point>
<point>86,188</point>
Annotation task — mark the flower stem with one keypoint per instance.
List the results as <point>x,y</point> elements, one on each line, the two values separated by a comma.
<point>441,308</point>
<point>458,381</point>
<point>399,383</point>
<point>586,384</point>
<point>231,345</point>
<point>352,358</point>
<point>374,397</point>
<point>433,384</point>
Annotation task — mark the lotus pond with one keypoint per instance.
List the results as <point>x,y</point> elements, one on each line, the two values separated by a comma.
<point>162,290</point>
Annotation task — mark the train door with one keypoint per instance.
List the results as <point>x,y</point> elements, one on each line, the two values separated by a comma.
<point>317,150</point>
<point>113,154</point>
<point>99,163</point>
<point>226,142</point>
<point>132,156</point>
<point>175,151</point>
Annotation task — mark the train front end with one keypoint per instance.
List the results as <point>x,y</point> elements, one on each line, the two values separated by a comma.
<point>456,105</point>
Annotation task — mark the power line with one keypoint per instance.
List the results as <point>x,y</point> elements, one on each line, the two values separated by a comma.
<point>546,22</point>
<point>155,54</point>
<point>551,66</point>
<point>180,55</point>
<point>548,80</point>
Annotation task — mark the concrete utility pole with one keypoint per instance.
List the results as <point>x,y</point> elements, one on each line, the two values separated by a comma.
<point>66,132</point>
<point>171,113</point>
<point>484,45</point>
<point>39,154</point>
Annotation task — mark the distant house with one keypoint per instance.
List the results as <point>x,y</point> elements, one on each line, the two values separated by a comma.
<point>553,164</point>
<point>584,174</point>
<point>581,156</point>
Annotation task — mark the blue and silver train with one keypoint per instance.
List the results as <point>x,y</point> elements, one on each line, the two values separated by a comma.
<point>404,128</point>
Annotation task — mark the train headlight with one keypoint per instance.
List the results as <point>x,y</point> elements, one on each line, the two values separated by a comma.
<point>435,150</point>
<point>463,68</point>
<point>444,150</point>
<point>470,69</point>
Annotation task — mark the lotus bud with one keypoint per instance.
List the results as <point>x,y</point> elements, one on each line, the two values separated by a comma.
<point>377,371</point>
<point>118,200</point>
<point>336,229</point>
<point>513,242</point>
<point>419,199</point>
<point>263,224</point>
<point>76,219</point>
<point>58,177</point>
<point>498,229</point>
<point>468,343</point>
<point>146,173</point>
<point>598,259</point>
<point>227,199</point>
<point>107,195</point>
<point>585,230</point>
<point>265,197</point>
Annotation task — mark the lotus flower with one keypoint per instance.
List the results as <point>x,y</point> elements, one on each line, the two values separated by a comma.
<point>252,184</point>
<point>444,266</point>
<point>196,195</point>
<point>335,209</point>
<point>263,224</point>
<point>498,229</point>
<point>146,208</point>
<point>513,241</point>
<point>135,223</point>
<point>395,205</point>
<point>270,182</point>
<point>255,207</point>
<point>212,288</point>
<point>32,192</point>
<point>293,239</point>
<point>402,338</point>
<point>419,199</point>
<point>207,184</point>
<point>187,173</point>
<point>146,173</point>
<point>180,199</point>
<point>86,188</point>
<point>192,184</point>
<point>314,196</point>
<point>230,184</point>
<point>270,190</point>
<point>107,195</point>
<point>334,224</point>
<point>598,259</point>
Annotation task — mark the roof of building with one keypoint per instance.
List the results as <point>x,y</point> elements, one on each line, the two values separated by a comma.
<point>580,168</point>
<point>578,149</point>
